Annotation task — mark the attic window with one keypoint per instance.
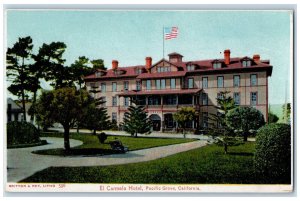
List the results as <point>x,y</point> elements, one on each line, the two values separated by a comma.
<point>98,74</point>
<point>163,69</point>
<point>191,67</point>
<point>246,63</point>
<point>138,71</point>
<point>119,72</point>
<point>217,65</point>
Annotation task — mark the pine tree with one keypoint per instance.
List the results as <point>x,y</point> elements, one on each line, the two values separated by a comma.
<point>218,125</point>
<point>136,121</point>
<point>18,69</point>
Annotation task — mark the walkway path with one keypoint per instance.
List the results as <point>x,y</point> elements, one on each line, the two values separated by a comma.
<point>22,163</point>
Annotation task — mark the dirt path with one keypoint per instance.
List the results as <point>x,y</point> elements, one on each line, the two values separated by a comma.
<point>22,163</point>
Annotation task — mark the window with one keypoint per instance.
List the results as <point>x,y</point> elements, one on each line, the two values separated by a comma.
<point>236,98</point>
<point>253,97</point>
<point>103,98</point>
<point>114,116</point>
<point>204,82</point>
<point>138,71</point>
<point>253,80</point>
<point>236,80</point>
<point>98,74</point>
<point>170,100</point>
<point>246,63</point>
<point>205,119</point>
<point>114,101</point>
<point>217,65</point>
<point>220,83</point>
<point>92,85</point>
<point>163,69</point>
<point>191,83</point>
<point>126,86</point>
<point>126,101</point>
<point>190,67</point>
<point>220,96</point>
<point>114,86</point>
<point>204,99</point>
<point>163,83</point>
<point>148,84</point>
<point>173,83</point>
<point>157,84</point>
<point>154,100</point>
<point>138,85</point>
<point>103,87</point>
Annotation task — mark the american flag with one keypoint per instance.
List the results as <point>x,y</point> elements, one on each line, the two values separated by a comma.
<point>170,32</point>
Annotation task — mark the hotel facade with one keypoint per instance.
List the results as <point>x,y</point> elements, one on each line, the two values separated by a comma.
<point>170,84</point>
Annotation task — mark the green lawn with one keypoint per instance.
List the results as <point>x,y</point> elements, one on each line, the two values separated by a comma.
<point>91,145</point>
<point>206,165</point>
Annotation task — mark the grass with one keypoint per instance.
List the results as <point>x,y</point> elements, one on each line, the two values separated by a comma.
<point>42,142</point>
<point>91,145</point>
<point>206,165</point>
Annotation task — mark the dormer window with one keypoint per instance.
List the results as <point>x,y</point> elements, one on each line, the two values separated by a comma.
<point>98,74</point>
<point>119,72</point>
<point>246,63</point>
<point>217,65</point>
<point>191,67</point>
<point>138,71</point>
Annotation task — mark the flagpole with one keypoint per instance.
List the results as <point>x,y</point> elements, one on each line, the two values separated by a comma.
<point>163,42</point>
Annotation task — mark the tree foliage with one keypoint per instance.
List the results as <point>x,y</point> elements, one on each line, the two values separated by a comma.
<point>245,119</point>
<point>225,103</point>
<point>183,116</point>
<point>62,106</point>
<point>272,118</point>
<point>286,109</point>
<point>79,69</point>
<point>18,69</point>
<point>272,157</point>
<point>95,117</point>
<point>98,64</point>
<point>50,60</point>
<point>136,121</point>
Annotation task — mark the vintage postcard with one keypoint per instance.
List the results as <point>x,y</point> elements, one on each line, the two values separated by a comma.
<point>149,100</point>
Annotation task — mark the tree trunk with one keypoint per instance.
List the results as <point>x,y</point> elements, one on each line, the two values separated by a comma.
<point>245,136</point>
<point>23,91</point>
<point>136,134</point>
<point>33,104</point>
<point>225,148</point>
<point>95,132</point>
<point>67,138</point>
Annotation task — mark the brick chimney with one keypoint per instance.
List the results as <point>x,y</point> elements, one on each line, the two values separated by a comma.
<point>227,57</point>
<point>115,64</point>
<point>256,58</point>
<point>148,63</point>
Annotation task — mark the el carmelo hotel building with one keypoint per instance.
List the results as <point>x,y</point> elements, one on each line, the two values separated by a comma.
<point>167,85</point>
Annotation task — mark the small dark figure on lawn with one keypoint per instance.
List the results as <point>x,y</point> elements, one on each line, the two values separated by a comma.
<point>117,145</point>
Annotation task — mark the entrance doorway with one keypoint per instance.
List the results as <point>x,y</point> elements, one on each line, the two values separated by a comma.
<point>156,122</point>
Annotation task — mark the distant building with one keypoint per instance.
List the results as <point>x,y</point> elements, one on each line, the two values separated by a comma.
<point>168,85</point>
<point>14,111</point>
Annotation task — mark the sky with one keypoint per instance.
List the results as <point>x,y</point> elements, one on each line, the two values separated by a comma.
<point>130,36</point>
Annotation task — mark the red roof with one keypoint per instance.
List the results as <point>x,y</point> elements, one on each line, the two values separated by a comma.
<point>202,66</point>
<point>161,92</point>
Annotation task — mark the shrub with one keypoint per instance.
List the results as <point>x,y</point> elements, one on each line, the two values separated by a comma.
<point>272,158</point>
<point>102,137</point>
<point>21,133</point>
